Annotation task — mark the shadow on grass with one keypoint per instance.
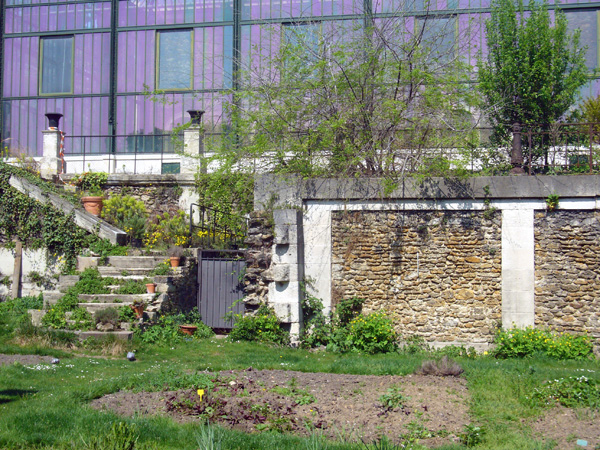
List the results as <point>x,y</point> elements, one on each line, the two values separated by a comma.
<point>9,395</point>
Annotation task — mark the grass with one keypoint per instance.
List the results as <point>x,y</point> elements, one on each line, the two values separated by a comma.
<point>45,407</point>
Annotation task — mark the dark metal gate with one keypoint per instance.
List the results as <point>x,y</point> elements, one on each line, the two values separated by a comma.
<point>221,285</point>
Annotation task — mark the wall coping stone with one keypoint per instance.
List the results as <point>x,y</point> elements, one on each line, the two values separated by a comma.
<point>293,190</point>
<point>117,179</point>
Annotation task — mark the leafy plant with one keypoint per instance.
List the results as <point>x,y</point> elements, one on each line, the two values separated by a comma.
<point>263,326</point>
<point>371,333</point>
<point>472,435</point>
<point>91,182</point>
<point>126,314</point>
<point>132,287</point>
<point>165,331</point>
<point>107,315</point>
<point>521,342</point>
<point>552,202</point>
<point>164,268</point>
<point>393,398</point>
<point>571,392</point>
<point>126,213</point>
<point>166,230</point>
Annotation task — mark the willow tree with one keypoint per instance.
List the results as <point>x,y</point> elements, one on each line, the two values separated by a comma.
<point>533,69</point>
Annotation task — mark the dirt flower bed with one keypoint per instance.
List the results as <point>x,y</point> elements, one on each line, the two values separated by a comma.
<point>432,409</point>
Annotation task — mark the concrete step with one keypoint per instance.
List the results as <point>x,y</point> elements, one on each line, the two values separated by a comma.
<point>122,335</point>
<point>93,307</point>
<point>112,298</point>
<point>66,281</point>
<point>50,298</point>
<point>135,262</point>
<point>116,272</point>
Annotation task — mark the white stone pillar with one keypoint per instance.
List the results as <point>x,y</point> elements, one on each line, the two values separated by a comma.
<point>192,143</point>
<point>286,271</point>
<point>518,271</point>
<point>50,162</point>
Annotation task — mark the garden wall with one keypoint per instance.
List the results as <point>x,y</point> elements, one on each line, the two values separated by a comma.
<point>437,274</point>
<point>449,260</point>
<point>567,270</point>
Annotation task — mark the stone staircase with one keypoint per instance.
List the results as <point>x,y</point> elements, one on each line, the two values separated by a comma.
<point>123,268</point>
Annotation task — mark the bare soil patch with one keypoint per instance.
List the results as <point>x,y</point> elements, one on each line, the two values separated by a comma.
<point>6,360</point>
<point>341,406</point>
<point>565,426</point>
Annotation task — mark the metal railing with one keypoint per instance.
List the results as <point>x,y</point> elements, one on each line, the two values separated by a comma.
<point>214,229</point>
<point>155,147</point>
<point>564,147</point>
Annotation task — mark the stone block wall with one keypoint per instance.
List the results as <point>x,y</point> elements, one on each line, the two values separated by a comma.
<point>157,199</point>
<point>437,274</point>
<point>567,270</point>
<point>259,243</point>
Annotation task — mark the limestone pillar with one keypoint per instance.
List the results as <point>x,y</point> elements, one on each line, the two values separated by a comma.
<point>50,164</point>
<point>192,143</point>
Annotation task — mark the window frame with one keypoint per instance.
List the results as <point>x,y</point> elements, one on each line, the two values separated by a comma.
<point>157,61</point>
<point>41,66</point>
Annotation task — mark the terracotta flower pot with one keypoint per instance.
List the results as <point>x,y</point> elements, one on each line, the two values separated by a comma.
<point>175,261</point>
<point>93,205</point>
<point>188,329</point>
<point>139,310</point>
<point>151,288</point>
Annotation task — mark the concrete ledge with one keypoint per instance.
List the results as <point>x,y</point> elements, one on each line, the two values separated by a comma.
<point>121,335</point>
<point>82,218</point>
<point>291,191</point>
<point>118,179</point>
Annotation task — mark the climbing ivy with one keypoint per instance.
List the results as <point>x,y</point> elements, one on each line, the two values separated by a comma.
<point>35,224</point>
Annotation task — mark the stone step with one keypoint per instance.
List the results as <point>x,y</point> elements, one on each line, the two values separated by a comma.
<point>111,298</point>
<point>116,272</point>
<point>66,281</point>
<point>121,335</point>
<point>50,298</point>
<point>93,307</point>
<point>135,262</point>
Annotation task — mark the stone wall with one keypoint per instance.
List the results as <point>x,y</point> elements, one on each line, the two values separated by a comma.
<point>158,199</point>
<point>437,274</point>
<point>567,270</point>
<point>259,243</point>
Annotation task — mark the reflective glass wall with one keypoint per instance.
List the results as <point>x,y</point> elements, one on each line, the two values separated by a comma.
<point>134,67</point>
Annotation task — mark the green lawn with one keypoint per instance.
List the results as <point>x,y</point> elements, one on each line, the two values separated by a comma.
<point>46,406</point>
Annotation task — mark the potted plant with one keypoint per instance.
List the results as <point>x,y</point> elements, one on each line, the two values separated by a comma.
<point>151,288</point>
<point>175,254</point>
<point>90,183</point>
<point>188,329</point>
<point>138,307</point>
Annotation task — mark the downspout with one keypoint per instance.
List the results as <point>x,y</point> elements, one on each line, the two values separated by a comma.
<point>2,15</point>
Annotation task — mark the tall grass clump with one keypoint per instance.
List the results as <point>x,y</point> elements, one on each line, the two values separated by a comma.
<point>523,342</point>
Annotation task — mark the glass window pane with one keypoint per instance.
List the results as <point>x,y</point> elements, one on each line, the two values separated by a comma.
<point>587,22</point>
<point>57,65</point>
<point>175,60</point>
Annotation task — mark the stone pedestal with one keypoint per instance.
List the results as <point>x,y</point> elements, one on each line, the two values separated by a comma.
<point>50,162</point>
<point>192,150</point>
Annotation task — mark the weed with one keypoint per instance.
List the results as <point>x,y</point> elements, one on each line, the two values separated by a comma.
<point>393,398</point>
<point>472,435</point>
<point>264,326</point>
<point>442,368</point>
<point>209,438</point>
<point>121,436</point>
<point>570,392</point>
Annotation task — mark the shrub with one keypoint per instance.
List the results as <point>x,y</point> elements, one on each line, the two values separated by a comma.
<point>108,315</point>
<point>168,231</point>
<point>132,287</point>
<point>442,368</point>
<point>82,320</point>
<point>521,342</point>
<point>166,329</point>
<point>126,213</point>
<point>371,333</point>
<point>126,314</point>
<point>264,326</point>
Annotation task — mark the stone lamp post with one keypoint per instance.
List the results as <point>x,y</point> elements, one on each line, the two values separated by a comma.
<point>51,138</point>
<point>192,143</point>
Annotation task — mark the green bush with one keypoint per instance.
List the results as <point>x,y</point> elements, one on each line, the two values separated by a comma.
<point>521,342</point>
<point>21,305</point>
<point>264,326</point>
<point>126,314</point>
<point>371,333</point>
<point>108,315</point>
<point>126,213</point>
<point>166,329</point>
<point>132,287</point>
<point>83,320</point>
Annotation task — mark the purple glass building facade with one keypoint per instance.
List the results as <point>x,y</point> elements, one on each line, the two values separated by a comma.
<point>96,61</point>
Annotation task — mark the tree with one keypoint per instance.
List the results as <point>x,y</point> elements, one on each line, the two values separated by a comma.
<point>370,98</point>
<point>533,70</point>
